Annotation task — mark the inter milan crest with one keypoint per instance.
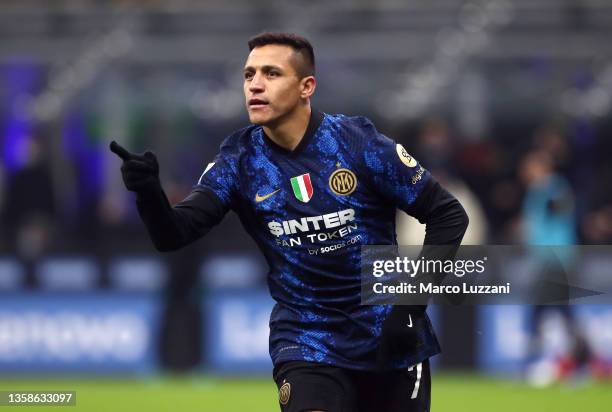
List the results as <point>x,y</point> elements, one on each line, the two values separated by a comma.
<point>284,393</point>
<point>302,187</point>
<point>343,182</point>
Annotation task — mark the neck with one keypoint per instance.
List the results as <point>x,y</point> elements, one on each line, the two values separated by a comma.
<point>288,131</point>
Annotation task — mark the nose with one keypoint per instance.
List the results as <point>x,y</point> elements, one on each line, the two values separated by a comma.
<point>256,84</point>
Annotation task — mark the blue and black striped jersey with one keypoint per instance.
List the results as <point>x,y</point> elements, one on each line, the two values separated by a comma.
<point>309,211</point>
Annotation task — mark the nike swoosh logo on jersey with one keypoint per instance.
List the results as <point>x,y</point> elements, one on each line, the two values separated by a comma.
<point>264,197</point>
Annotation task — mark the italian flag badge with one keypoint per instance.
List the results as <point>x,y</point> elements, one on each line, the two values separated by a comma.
<point>302,187</point>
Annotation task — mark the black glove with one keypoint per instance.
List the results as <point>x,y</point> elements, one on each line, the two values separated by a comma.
<point>140,172</point>
<point>400,334</point>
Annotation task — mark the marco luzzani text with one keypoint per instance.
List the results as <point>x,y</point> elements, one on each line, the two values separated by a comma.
<point>421,269</point>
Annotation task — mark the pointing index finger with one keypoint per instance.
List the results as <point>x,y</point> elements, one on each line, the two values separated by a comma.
<point>120,151</point>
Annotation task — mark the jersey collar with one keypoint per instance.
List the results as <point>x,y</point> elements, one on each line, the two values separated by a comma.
<point>316,117</point>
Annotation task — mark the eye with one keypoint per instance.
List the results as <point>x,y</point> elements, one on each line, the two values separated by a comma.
<point>248,75</point>
<point>273,73</point>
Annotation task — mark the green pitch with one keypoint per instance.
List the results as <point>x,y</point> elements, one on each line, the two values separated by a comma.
<point>453,393</point>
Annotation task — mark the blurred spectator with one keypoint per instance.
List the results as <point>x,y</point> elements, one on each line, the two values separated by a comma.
<point>487,168</point>
<point>30,205</point>
<point>597,226</point>
<point>548,219</point>
<point>548,207</point>
<point>554,143</point>
<point>435,145</point>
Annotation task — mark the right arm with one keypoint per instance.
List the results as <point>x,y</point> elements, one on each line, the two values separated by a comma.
<point>171,228</point>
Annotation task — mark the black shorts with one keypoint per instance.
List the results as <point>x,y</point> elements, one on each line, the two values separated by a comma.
<point>305,386</point>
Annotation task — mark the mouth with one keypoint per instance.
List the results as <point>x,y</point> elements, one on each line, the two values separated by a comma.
<point>256,103</point>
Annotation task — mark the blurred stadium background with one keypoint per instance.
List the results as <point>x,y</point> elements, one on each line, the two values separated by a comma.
<point>488,95</point>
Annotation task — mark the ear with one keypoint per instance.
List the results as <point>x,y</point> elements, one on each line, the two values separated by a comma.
<point>307,87</point>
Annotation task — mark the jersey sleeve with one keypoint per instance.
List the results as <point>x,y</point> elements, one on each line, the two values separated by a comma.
<point>221,176</point>
<point>392,172</point>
